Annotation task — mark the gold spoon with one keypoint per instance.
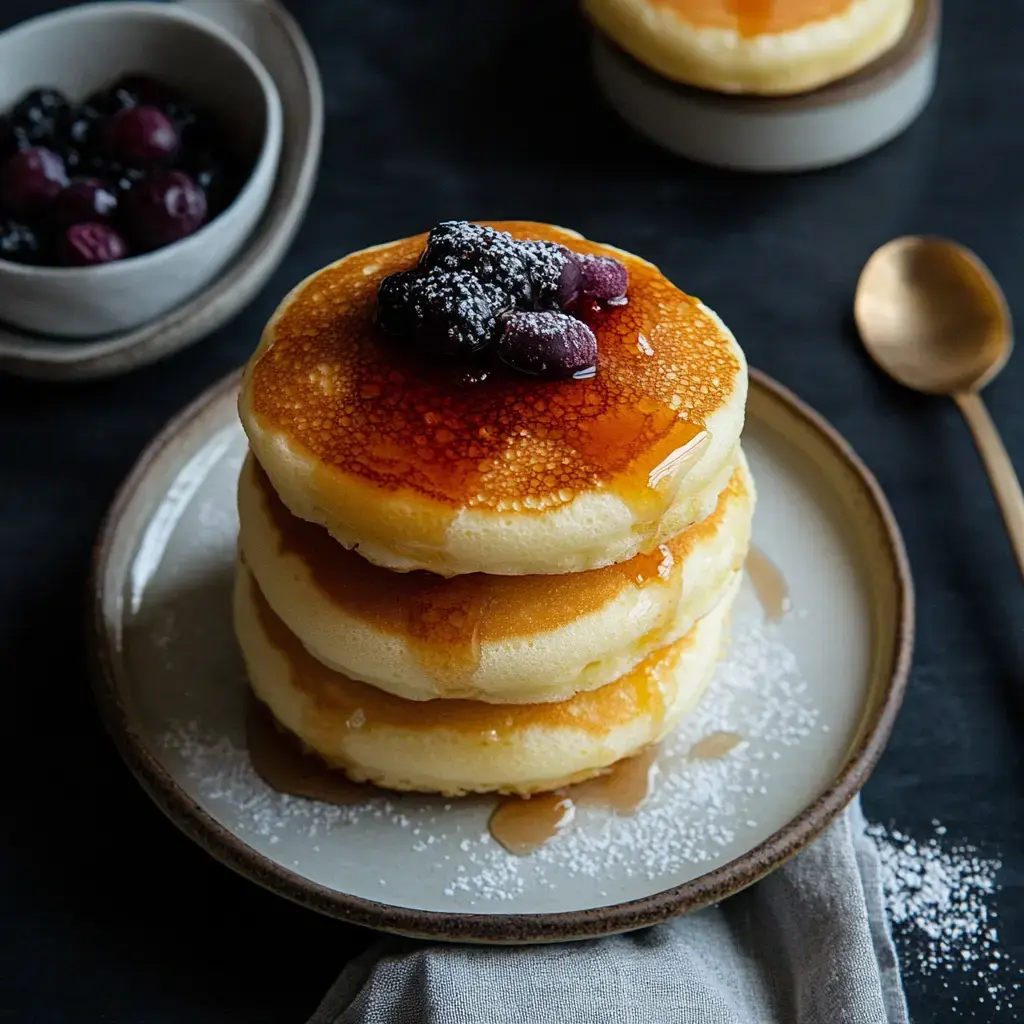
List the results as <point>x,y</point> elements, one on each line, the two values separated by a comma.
<point>932,316</point>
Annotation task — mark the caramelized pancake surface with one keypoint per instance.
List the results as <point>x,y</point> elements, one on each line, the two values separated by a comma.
<point>767,47</point>
<point>394,450</point>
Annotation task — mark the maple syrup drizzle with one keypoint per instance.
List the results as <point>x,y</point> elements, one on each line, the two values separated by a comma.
<point>715,745</point>
<point>769,584</point>
<point>280,761</point>
<point>524,824</point>
<point>521,825</point>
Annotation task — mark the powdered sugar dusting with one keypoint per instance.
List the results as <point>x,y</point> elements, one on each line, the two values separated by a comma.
<point>939,899</point>
<point>696,810</point>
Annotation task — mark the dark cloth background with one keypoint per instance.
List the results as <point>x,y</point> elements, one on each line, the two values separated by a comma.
<point>446,109</point>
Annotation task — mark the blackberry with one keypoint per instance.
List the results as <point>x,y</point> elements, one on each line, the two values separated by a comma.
<point>18,242</point>
<point>555,274</point>
<point>493,257</point>
<point>84,129</point>
<point>456,311</point>
<point>450,243</point>
<point>548,344</point>
<point>395,314</point>
<point>450,310</point>
<point>476,286</point>
<point>41,115</point>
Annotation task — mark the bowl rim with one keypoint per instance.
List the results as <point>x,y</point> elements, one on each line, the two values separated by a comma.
<point>269,150</point>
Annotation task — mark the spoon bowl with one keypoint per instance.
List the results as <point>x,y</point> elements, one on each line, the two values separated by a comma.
<point>932,316</point>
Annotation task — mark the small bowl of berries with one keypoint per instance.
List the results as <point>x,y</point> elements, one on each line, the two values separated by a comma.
<point>139,145</point>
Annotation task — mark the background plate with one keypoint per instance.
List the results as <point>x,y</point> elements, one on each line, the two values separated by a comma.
<point>813,697</point>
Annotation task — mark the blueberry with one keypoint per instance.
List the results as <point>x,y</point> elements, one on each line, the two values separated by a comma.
<point>555,273</point>
<point>30,181</point>
<point>86,245</point>
<point>84,129</point>
<point>142,136</point>
<point>85,199</point>
<point>604,279</point>
<point>493,257</point>
<point>42,115</point>
<point>548,344</point>
<point>164,207</point>
<point>18,242</point>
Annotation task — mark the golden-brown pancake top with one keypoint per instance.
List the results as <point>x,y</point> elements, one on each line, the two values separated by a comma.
<point>755,17</point>
<point>339,698</point>
<point>409,422</point>
<point>460,612</point>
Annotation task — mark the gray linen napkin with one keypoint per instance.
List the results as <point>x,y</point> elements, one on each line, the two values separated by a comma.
<point>808,945</point>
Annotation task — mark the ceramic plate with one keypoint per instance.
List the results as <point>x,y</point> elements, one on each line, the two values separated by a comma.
<point>812,697</point>
<point>276,39</point>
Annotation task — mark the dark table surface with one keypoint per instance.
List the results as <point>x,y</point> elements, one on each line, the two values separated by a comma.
<point>445,109</point>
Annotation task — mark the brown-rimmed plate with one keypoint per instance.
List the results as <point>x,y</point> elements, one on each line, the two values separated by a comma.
<point>811,699</point>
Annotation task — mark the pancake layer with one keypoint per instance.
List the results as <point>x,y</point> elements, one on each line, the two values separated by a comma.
<point>398,456</point>
<point>767,47</point>
<point>458,746</point>
<point>504,639</point>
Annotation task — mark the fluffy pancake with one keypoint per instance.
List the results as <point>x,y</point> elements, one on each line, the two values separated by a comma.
<point>506,639</point>
<point>459,746</point>
<point>397,455</point>
<point>768,47</point>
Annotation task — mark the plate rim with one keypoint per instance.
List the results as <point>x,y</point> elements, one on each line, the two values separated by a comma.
<point>507,928</point>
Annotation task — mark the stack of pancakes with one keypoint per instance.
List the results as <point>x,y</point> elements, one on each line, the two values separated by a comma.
<point>766,47</point>
<point>468,583</point>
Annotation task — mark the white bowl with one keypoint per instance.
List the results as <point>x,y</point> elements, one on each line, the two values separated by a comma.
<point>85,48</point>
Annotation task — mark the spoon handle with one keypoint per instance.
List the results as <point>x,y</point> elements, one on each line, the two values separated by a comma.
<point>1000,469</point>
